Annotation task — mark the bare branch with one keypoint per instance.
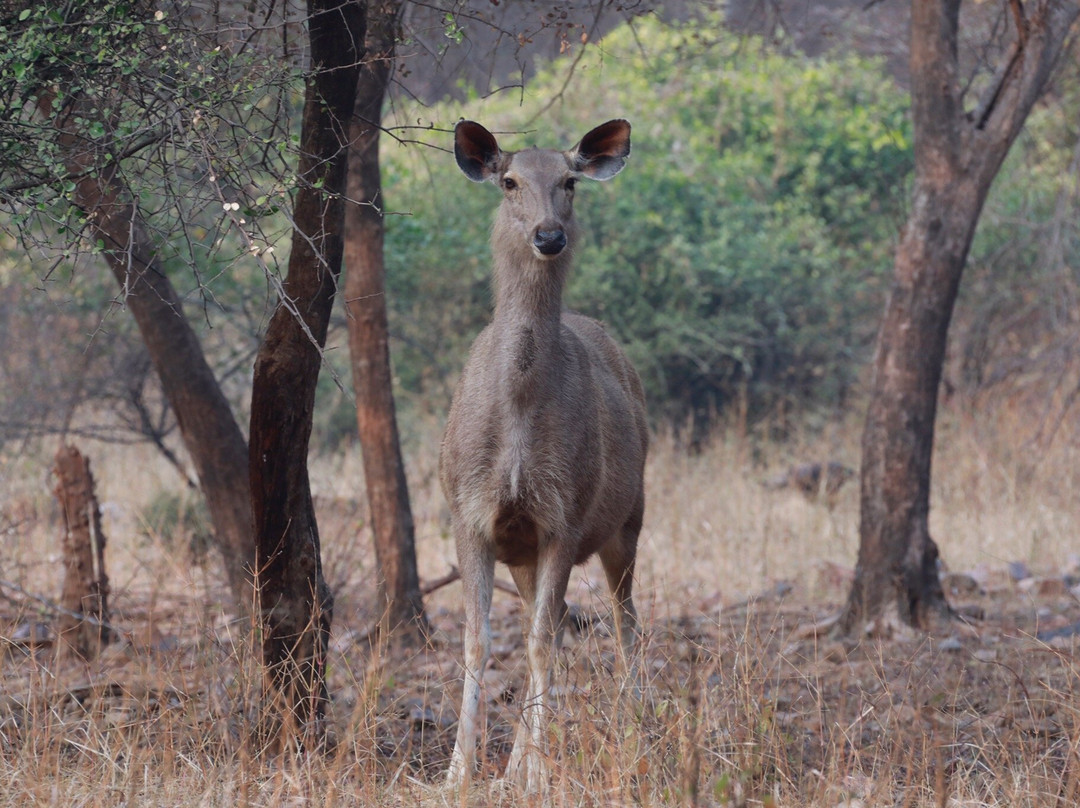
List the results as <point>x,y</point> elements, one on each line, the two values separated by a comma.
<point>1017,8</point>
<point>56,608</point>
<point>990,98</point>
<point>1024,72</point>
<point>455,575</point>
<point>570,70</point>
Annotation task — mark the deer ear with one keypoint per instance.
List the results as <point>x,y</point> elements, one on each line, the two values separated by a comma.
<point>476,151</point>
<point>602,153</point>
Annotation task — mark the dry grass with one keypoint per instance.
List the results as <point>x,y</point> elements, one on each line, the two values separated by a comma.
<point>745,704</point>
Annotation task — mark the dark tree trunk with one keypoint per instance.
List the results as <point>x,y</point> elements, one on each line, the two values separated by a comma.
<point>207,425</point>
<point>957,156</point>
<point>399,601</point>
<point>85,596</point>
<point>294,600</point>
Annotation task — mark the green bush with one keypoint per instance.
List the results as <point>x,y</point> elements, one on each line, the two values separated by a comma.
<point>741,253</point>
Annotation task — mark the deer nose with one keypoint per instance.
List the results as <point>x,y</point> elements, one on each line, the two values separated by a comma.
<point>550,242</point>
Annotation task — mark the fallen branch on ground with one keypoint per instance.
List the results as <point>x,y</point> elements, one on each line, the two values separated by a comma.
<point>455,575</point>
<point>56,608</point>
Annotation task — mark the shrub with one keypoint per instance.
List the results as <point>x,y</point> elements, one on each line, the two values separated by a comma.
<point>742,252</point>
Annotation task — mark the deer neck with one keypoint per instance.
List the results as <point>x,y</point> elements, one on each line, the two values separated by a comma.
<point>527,320</point>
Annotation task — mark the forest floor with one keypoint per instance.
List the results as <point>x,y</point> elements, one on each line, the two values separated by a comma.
<point>748,699</point>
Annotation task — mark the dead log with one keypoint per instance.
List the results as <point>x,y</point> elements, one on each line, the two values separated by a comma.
<point>86,586</point>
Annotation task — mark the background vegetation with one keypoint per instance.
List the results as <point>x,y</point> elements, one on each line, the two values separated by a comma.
<point>741,256</point>
<point>742,259</point>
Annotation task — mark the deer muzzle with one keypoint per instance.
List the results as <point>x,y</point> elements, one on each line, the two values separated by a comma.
<point>550,242</point>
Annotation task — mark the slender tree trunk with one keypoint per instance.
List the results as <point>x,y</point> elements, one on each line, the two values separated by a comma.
<point>399,600</point>
<point>207,425</point>
<point>295,602</point>
<point>957,156</point>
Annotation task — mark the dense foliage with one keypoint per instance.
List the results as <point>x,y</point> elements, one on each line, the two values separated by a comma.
<point>188,110</point>
<point>739,256</point>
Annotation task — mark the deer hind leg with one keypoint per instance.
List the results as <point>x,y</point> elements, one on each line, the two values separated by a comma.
<point>617,558</point>
<point>478,578</point>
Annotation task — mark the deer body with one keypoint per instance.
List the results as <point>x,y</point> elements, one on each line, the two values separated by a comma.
<point>543,458</point>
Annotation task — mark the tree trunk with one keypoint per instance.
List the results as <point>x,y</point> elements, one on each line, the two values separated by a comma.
<point>85,597</point>
<point>295,602</point>
<point>896,577</point>
<point>957,156</point>
<point>399,600</point>
<point>207,425</point>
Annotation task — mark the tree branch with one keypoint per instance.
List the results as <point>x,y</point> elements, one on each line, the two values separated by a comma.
<point>56,608</point>
<point>455,575</point>
<point>990,98</point>
<point>136,146</point>
<point>1017,8</point>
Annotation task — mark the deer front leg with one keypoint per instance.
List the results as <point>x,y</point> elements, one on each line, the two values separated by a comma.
<point>477,577</point>
<point>525,580</point>
<point>553,574</point>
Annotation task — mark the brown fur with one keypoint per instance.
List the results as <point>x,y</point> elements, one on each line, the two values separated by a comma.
<point>544,452</point>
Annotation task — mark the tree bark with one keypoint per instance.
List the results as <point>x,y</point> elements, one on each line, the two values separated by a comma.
<point>957,156</point>
<point>295,603</point>
<point>86,586</point>
<point>207,425</point>
<point>401,607</point>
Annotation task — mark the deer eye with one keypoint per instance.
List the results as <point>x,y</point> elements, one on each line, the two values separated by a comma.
<point>508,184</point>
<point>570,184</point>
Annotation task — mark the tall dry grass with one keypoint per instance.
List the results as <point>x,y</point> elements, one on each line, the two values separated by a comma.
<point>744,704</point>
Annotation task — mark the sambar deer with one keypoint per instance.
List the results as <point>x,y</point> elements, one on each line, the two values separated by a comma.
<point>543,458</point>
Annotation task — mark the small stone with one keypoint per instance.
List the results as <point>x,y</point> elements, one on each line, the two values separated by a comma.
<point>1058,630</point>
<point>31,634</point>
<point>951,644</point>
<point>1072,564</point>
<point>960,583</point>
<point>1043,587</point>
<point>782,588</point>
<point>834,652</point>
<point>1018,570</point>
<point>972,611</point>
<point>421,716</point>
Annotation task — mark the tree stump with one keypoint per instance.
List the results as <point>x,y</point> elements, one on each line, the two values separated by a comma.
<point>82,630</point>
